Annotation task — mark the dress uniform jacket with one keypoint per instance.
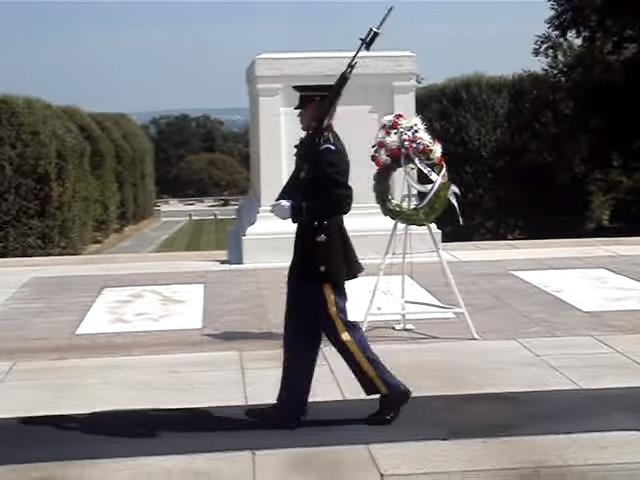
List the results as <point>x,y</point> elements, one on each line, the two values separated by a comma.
<point>321,195</point>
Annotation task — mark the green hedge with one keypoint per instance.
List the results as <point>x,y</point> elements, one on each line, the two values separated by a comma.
<point>67,177</point>
<point>142,166</point>
<point>102,164</point>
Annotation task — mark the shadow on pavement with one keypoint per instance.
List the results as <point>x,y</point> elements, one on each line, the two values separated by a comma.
<point>136,433</point>
<point>236,336</point>
<point>151,423</point>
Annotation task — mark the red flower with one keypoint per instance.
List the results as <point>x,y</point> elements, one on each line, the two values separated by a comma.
<point>377,161</point>
<point>394,153</point>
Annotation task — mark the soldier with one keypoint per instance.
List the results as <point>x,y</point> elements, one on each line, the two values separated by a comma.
<point>316,197</point>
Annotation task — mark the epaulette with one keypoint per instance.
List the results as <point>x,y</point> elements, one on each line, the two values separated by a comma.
<point>327,141</point>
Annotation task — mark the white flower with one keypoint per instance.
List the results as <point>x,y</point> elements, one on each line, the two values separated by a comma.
<point>393,140</point>
<point>436,151</point>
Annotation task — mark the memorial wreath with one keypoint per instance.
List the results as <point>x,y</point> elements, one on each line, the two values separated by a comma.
<point>405,143</point>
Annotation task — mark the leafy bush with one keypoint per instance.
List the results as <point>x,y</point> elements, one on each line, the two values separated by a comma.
<point>125,168</point>
<point>66,176</point>
<point>46,200</point>
<point>141,164</point>
<point>102,164</point>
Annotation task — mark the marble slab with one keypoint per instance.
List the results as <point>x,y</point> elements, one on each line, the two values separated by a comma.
<point>587,289</point>
<point>457,368</point>
<point>204,466</point>
<point>388,300</point>
<point>512,458</point>
<point>627,345</point>
<point>145,309</point>
<point>83,385</point>
<point>602,370</point>
<point>347,462</point>
<point>129,268</point>
<point>10,282</point>
<point>5,367</point>
<point>550,346</point>
<point>530,253</point>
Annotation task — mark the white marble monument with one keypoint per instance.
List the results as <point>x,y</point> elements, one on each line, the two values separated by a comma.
<point>382,83</point>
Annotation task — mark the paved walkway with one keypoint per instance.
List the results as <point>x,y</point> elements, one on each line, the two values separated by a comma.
<point>242,307</point>
<point>496,409</point>
<point>150,380</point>
<point>148,240</point>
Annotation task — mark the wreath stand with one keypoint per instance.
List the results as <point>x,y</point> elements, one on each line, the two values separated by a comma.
<point>404,301</point>
<point>406,144</point>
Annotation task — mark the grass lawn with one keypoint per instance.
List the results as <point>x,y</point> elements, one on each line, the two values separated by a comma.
<point>198,236</point>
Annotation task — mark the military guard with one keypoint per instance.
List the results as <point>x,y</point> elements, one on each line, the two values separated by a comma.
<point>316,197</point>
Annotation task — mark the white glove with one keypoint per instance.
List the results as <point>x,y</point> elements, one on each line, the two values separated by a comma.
<point>282,209</point>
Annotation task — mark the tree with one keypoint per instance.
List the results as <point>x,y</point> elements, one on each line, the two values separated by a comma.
<point>593,48</point>
<point>214,174</point>
<point>542,194</point>
<point>235,143</point>
<point>177,137</point>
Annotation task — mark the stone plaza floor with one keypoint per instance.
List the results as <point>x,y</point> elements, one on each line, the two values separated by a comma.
<point>139,366</point>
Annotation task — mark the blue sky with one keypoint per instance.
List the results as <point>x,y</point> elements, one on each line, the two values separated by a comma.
<point>137,56</point>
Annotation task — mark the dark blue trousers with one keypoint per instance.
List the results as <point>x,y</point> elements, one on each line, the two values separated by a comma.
<point>314,309</point>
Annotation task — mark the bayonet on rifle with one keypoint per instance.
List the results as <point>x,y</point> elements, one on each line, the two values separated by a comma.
<point>338,87</point>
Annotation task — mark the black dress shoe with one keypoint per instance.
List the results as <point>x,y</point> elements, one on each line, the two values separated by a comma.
<point>274,416</point>
<point>389,407</point>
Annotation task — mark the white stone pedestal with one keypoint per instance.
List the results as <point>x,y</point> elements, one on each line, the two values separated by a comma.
<point>382,83</point>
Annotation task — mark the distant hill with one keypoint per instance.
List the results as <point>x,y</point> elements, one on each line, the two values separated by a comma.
<point>235,118</point>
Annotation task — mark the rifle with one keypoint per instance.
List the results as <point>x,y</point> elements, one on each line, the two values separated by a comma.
<point>338,87</point>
